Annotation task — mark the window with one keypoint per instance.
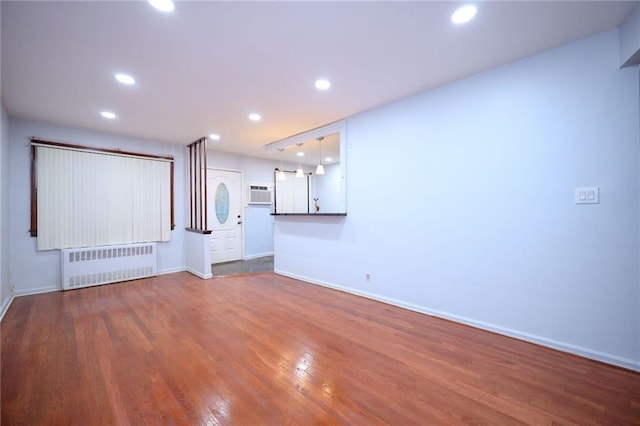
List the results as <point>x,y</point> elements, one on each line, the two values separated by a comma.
<point>90,197</point>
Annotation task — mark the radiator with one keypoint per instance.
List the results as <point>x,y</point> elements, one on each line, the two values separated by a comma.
<point>89,266</point>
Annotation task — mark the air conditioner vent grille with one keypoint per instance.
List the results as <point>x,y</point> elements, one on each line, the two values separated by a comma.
<point>259,194</point>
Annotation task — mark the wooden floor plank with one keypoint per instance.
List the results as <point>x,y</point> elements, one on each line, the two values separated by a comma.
<point>266,349</point>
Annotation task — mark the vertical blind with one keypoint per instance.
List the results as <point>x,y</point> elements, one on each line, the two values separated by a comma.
<point>87,198</point>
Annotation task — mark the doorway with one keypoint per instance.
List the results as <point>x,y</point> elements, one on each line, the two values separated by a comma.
<point>224,207</point>
<point>245,266</point>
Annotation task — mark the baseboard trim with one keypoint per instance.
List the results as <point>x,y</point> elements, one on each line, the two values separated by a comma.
<point>49,289</point>
<point>256,256</point>
<point>198,274</point>
<point>531,338</point>
<point>5,306</point>
<point>171,271</point>
<point>37,290</point>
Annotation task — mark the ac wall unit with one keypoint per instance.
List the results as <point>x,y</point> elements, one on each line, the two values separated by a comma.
<point>260,194</point>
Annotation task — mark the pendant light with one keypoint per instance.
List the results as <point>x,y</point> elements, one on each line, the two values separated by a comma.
<point>299,171</point>
<point>320,168</point>
<point>280,174</point>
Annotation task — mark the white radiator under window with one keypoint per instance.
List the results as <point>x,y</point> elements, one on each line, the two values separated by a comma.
<point>89,266</point>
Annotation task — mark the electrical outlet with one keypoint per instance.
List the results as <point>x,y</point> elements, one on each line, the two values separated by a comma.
<point>368,277</point>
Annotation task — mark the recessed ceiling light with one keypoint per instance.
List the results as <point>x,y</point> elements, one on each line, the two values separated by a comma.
<point>328,159</point>
<point>464,14</point>
<point>254,117</point>
<point>214,137</point>
<point>125,79</point>
<point>323,84</point>
<point>162,5</point>
<point>108,114</point>
<point>300,154</point>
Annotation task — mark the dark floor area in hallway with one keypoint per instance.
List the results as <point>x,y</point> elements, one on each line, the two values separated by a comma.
<point>260,264</point>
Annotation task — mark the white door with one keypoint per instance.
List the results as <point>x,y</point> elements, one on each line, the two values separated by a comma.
<point>224,214</point>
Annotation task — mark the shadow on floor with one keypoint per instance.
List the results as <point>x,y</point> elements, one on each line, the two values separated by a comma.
<point>260,264</point>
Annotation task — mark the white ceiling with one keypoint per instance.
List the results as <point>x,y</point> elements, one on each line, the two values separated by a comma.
<point>207,65</point>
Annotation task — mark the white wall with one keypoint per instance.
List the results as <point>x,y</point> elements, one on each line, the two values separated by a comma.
<point>630,38</point>
<point>33,271</point>
<point>258,222</point>
<point>198,254</point>
<point>5,283</point>
<point>473,216</point>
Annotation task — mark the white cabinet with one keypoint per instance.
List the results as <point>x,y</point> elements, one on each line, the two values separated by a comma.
<point>293,194</point>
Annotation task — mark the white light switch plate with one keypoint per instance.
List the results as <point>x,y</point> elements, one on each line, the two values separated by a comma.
<point>587,195</point>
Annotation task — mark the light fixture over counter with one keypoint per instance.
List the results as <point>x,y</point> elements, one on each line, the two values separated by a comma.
<point>320,168</point>
<point>318,193</point>
<point>299,171</point>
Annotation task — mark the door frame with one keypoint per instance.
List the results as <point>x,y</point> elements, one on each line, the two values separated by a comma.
<point>242,200</point>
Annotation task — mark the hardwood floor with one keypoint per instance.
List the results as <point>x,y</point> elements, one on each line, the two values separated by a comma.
<point>266,349</point>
